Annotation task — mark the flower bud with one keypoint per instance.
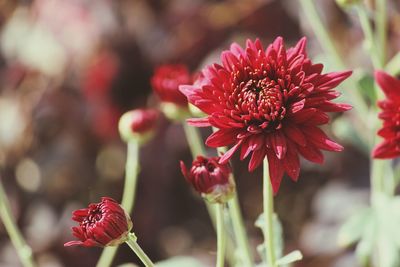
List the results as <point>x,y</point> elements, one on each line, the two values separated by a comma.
<point>211,179</point>
<point>166,81</point>
<point>138,125</point>
<point>101,224</point>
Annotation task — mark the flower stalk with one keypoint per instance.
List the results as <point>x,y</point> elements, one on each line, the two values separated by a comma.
<point>194,140</point>
<point>128,197</point>
<point>381,29</point>
<point>197,148</point>
<point>369,37</point>
<point>327,43</point>
<point>268,202</point>
<point>221,235</point>
<point>132,170</point>
<point>239,229</point>
<point>132,243</point>
<point>23,250</point>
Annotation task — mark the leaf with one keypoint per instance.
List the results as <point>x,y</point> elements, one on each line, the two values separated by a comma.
<point>380,236</point>
<point>388,218</point>
<point>364,248</point>
<point>367,87</point>
<point>354,227</point>
<point>277,232</point>
<point>290,258</point>
<point>179,262</point>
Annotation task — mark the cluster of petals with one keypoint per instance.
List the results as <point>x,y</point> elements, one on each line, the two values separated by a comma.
<point>166,81</point>
<point>210,178</point>
<point>268,104</point>
<point>101,224</point>
<point>390,114</point>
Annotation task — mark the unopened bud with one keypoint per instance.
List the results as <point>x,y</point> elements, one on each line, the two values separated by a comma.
<point>211,179</point>
<point>138,125</point>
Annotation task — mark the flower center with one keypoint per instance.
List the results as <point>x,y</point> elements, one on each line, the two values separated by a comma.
<point>262,101</point>
<point>95,215</point>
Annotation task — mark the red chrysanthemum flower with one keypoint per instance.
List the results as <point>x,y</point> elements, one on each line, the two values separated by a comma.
<point>210,178</point>
<point>270,103</point>
<point>101,224</point>
<point>166,81</point>
<point>390,147</point>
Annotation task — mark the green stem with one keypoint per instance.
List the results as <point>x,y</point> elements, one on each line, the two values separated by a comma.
<point>221,235</point>
<point>327,44</point>
<point>128,197</point>
<point>132,243</point>
<point>196,146</point>
<point>132,170</point>
<point>369,37</point>
<point>194,139</point>
<point>393,66</point>
<point>268,213</point>
<point>240,231</point>
<point>238,225</point>
<point>381,28</point>
<point>23,250</point>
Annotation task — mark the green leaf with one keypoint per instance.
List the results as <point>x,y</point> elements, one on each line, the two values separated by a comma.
<point>179,262</point>
<point>388,218</point>
<point>278,240</point>
<point>354,227</point>
<point>365,247</point>
<point>290,258</point>
<point>367,87</point>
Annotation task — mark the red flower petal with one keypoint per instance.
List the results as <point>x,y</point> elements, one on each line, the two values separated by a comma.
<point>199,122</point>
<point>389,85</point>
<point>278,143</point>
<point>275,171</point>
<point>291,162</point>
<point>256,158</point>
<point>333,79</point>
<point>311,153</point>
<point>221,138</point>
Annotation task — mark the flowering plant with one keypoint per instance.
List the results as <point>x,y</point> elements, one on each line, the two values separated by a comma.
<point>263,106</point>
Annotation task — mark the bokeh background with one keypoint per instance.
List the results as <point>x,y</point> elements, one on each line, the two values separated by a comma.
<point>69,69</point>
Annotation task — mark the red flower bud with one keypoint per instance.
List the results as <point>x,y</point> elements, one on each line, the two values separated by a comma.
<point>138,123</point>
<point>389,148</point>
<point>166,81</point>
<point>211,179</point>
<point>101,224</point>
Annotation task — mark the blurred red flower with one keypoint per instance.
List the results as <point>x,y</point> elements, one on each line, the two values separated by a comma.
<point>101,224</point>
<point>166,81</point>
<point>144,120</point>
<point>210,178</point>
<point>97,81</point>
<point>271,103</point>
<point>390,147</point>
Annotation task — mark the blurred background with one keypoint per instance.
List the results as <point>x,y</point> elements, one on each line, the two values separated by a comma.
<point>69,69</point>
